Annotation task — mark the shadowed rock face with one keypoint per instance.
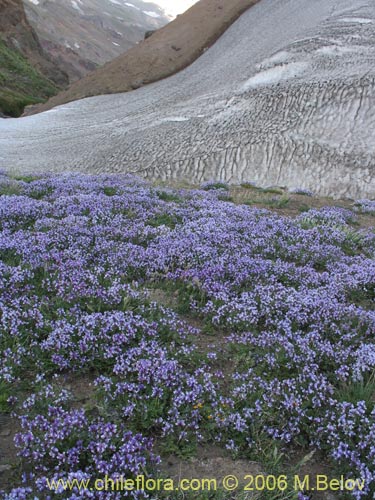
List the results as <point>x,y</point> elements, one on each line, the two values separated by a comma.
<point>285,97</point>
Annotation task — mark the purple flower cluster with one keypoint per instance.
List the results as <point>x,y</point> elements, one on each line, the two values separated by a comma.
<point>347,432</point>
<point>302,191</point>
<point>365,206</point>
<point>292,301</point>
<point>63,444</point>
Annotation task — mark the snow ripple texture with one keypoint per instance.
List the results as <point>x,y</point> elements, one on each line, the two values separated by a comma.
<point>285,97</point>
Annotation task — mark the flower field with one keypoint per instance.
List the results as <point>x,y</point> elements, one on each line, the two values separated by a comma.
<point>197,321</point>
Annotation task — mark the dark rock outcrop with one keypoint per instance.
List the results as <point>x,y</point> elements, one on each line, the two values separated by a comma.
<point>149,33</point>
<point>68,60</point>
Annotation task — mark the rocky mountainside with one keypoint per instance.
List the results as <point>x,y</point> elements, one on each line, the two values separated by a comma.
<point>17,33</point>
<point>27,73</point>
<point>285,97</point>
<point>82,34</point>
<point>167,51</point>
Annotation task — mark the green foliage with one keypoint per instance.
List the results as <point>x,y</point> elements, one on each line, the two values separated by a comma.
<point>250,202</point>
<point>216,185</point>
<point>164,220</point>
<point>9,189</point>
<point>9,257</point>
<point>13,103</point>
<point>183,450</point>
<point>274,202</point>
<point>26,178</point>
<point>357,391</point>
<point>20,83</point>
<point>225,197</point>
<point>110,191</point>
<point>249,185</point>
<point>4,396</point>
<point>304,208</point>
<point>307,223</point>
<point>166,196</point>
<point>280,202</point>
<point>273,190</point>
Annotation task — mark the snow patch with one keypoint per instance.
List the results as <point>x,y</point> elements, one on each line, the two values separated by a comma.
<point>131,5</point>
<point>275,75</point>
<point>174,119</point>
<point>278,58</point>
<point>359,20</point>
<point>76,6</point>
<point>334,50</point>
<point>117,44</point>
<point>35,2</point>
<point>151,14</point>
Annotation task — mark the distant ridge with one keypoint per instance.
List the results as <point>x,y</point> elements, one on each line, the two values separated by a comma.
<point>85,34</point>
<point>166,52</point>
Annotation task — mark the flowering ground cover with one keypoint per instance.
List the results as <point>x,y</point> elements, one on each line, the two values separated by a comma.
<point>264,342</point>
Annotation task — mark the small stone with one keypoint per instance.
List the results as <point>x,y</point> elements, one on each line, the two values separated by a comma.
<point>5,433</point>
<point>4,468</point>
<point>136,84</point>
<point>149,33</point>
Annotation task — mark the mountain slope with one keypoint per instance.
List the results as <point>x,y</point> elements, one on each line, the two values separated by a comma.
<point>86,33</point>
<point>286,96</point>
<point>20,83</point>
<point>26,73</point>
<point>169,50</point>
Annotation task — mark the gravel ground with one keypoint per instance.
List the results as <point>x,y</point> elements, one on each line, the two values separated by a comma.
<point>286,97</point>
